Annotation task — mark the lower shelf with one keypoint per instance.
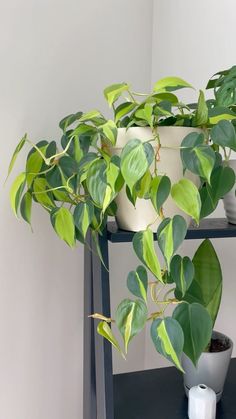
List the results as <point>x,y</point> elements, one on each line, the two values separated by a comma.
<point>159,394</point>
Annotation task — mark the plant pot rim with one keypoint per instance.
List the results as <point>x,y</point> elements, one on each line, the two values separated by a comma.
<point>223,336</point>
<point>169,127</point>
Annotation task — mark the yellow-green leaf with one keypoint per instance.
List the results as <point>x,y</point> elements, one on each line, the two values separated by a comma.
<point>105,331</point>
<point>16,192</point>
<point>170,83</point>
<point>63,224</point>
<point>187,198</point>
<point>15,154</point>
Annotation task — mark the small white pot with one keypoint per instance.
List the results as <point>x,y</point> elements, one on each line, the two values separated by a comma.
<point>211,369</point>
<point>230,198</point>
<point>139,217</point>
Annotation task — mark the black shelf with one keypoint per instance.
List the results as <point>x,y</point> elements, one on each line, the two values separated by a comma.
<point>209,228</point>
<point>160,394</point>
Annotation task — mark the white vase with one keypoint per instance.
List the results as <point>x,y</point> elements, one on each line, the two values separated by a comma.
<point>202,403</point>
<point>230,198</point>
<point>211,369</point>
<point>139,217</point>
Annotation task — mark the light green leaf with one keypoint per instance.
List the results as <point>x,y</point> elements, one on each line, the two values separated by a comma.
<point>143,245</point>
<point>114,91</point>
<point>91,116</point>
<point>182,273</point>
<point>142,187</point>
<point>16,192</point>
<point>159,192</point>
<point>219,114</point>
<point>146,114</point>
<point>170,83</point>
<point>196,156</point>
<point>168,339</point>
<point>109,129</point>
<point>63,224</point>
<point>136,157</point>
<point>105,331</point>
<point>170,234</point>
<point>206,288</point>
<point>40,193</point>
<point>69,120</point>
<point>131,317</point>
<point>83,216</point>
<point>201,115</point>
<point>34,164</point>
<point>25,207</point>
<point>123,109</point>
<point>197,327</point>
<point>137,282</point>
<point>224,135</point>
<point>15,154</point>
<point>187,198</point>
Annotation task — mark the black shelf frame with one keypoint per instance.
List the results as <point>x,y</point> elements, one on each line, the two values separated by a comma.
<point>104,394</point>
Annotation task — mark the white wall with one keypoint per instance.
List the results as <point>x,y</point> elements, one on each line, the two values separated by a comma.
<point>56,57</point>
<point>193,40</point>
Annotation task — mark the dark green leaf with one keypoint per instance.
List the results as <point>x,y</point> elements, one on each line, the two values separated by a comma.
<point>197,327</point>
<point>137,282</point>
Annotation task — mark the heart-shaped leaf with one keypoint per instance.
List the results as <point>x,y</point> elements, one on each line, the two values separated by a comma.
<point>63,224</point>
<point>143,245</point>
<point>187,198</point>
<point>168,339</point>
<point>131,317</point>
<point>196,324</point>
<point>159,191</point>
<point>182,273</point>
<point>16,192</point>
<point>224,134</point>
<point>105,331</point>
<point>137,282</point>
<point>83,215</point>
<point>170,235</point>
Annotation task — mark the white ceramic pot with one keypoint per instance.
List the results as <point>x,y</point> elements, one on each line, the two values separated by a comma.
<point>211,369</point>
<point>139,217</point>
<point>230,198</point>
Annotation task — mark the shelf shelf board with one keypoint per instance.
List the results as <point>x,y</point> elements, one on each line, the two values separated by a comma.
<point>209,228</point>
<point>159,394</point>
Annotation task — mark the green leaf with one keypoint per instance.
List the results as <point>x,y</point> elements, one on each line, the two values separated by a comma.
<point>136,157</point>
<point>159,192</point>
<point>143,185</point>
<point>197,327</point>
<point>197,157</point>
<point>224,135</point>
<point>91,116</point>
<point>187,198</point>
<point>25,207</point>
<point>168,339</point>
<point>63,224</point>
<point>219,114</point>
<point>16,192</point>
<point>170,235</point>
<point>170,83</point>
<point>182,273</point>
<point>143,245</point>
<point>131,317</point>
<point>206,287</point>
<point>222,181</point>
<point>83,216</point>
<point>40,193</point>
<point>105,331</point>
<point>69,120</point>
<point>137,282</point>
<point>34,164</point>
<point>96,181</point>
<point>15,154</point>
<point>201,115</point>
<point>146,114</point>
<point>123,109</point>
<point>109,129</point>
<point>114,91</point>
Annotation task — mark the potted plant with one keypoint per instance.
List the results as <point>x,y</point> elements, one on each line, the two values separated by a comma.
<point>222,109</point>
<point>103,165</point>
